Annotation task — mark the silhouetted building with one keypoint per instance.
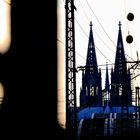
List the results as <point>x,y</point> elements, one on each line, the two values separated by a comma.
<point>121,94</point>
<point>109,112</point>
<point>91,77</point>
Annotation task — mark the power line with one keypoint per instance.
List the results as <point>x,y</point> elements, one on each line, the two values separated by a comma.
<point>97,33</point>
<point>87,37</point>
<point>95,30</point>
<point>60,41</point>
<point>89,102</point>
<point>100,23</point>
<point>76,51</point>
<point>101,64</point>
<point>82,56</point>
<point>84,11</point>
<point>104,42</point>
<point>103,27</point>
<point>81,28</point>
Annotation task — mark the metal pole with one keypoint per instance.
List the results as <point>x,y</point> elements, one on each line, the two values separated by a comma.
<point>71,115</point>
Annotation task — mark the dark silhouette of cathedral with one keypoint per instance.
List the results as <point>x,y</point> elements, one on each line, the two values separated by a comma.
<point>121,93</point>
<point>91,77</point>
<point>119,90</point>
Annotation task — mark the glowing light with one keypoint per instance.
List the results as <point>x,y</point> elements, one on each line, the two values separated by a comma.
<point>5,30</point>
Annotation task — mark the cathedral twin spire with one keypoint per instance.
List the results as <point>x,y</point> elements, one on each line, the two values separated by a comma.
<point>91,77</point>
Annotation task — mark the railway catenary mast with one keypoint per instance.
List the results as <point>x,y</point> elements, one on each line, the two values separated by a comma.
<point>71,115</point>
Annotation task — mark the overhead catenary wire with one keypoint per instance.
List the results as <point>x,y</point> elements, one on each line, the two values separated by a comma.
<point>128,28</point>
<point>84,11</point>
<point>96,32</point>
<point>94,29</point>
<point>100,23</point>
<point>75,51</point>
<point>104,90</point>
<point>95,46</point>
<point>103,27</point>
<point>136,62</point>
<point>83,57</point>
<point>60,41</point>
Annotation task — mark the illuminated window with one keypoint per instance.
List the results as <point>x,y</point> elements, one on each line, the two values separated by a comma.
<point>96,90</point>
<point>86,91</point>
<point>120,90</point>
<point>92,91</point>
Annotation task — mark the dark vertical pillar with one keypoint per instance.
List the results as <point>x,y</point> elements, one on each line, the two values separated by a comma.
<point>28,72</point>
<point>71,114</point>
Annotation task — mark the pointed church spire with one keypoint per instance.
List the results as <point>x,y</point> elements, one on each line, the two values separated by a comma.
<point>120,40</point>
<point>119,25</point>
<point>119,78</point>
<point>91,25</point>
<point>120,55</point>
<point>107,79</point>
<point>91,78</point>
<point>91,54</point>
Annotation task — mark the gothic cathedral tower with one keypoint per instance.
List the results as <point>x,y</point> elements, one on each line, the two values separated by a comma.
<point>91,90</point>
<point>121,94</point>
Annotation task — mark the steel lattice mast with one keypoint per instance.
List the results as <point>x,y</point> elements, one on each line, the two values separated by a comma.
<point>71,115</point>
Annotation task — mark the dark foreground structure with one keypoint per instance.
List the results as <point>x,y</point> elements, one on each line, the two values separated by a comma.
<point>28,73</point>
